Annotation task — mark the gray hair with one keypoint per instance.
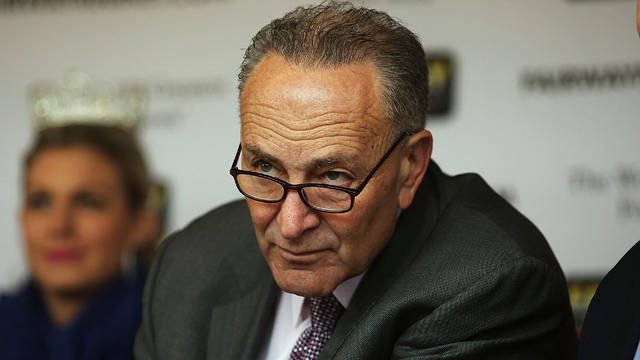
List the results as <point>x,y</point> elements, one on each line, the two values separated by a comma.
<point>337,33</point>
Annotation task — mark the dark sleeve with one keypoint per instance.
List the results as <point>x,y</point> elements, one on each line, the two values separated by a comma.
<point>518,311</point>
<point>611,327</point>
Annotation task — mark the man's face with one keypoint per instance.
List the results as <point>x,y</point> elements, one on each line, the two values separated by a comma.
<point>320,126</point>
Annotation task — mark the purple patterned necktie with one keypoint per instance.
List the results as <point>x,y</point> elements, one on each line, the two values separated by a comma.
<point>325,312</point>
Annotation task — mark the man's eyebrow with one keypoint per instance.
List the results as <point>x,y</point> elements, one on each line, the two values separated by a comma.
<point>318,163</point>
<point>332,160</point>
<point>258,153</point>
<point>343,159</point>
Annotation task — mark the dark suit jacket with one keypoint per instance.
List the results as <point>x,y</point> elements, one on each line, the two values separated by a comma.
<point>611,327</point>
<point>465,276</point>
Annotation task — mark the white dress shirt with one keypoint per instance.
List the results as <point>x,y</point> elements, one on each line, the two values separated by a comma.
<point>293,317</point>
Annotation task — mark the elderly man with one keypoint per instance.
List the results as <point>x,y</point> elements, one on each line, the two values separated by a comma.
<point>351,243</point>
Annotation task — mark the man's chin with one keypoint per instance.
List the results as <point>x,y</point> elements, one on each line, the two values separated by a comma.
<point>305,283</point>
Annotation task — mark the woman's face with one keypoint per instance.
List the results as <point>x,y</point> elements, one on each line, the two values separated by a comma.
<point>76,219</point>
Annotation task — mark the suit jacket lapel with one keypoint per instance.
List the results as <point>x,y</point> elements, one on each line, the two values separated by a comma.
<point>412,228</point>
<point>238,328</point>
<point>243,308</point>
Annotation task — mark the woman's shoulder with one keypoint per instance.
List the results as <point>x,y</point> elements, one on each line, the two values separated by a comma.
<point>21,313</point>
<point>11,299</point>
<point>21,304</point>
<point>17,308</point>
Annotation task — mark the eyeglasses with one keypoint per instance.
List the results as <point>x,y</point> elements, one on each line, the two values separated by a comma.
<point>321,197</point>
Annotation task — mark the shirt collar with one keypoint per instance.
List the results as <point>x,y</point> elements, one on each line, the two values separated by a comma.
<point>343,292</point>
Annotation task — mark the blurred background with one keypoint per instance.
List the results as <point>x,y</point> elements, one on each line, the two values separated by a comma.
<point>539,97</point>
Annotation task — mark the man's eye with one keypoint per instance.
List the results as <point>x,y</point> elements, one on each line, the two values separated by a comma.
<point>332,175</point>
<point>265,167</point>
<point>337,178</point>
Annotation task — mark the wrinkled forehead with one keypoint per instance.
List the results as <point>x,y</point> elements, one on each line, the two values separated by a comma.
<point>289,105</point>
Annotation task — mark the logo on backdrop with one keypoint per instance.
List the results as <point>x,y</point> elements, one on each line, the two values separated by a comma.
<point>78,97</point>
<point>591,1</point>
<point>582,78</point>
<point>622,182</point>
<point>14,5</point>
<point>441,70</point>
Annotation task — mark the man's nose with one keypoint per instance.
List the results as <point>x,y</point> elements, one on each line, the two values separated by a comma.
<point>295,217</point>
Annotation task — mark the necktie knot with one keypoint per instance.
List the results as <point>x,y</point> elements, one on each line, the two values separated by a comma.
<point>325,312</point>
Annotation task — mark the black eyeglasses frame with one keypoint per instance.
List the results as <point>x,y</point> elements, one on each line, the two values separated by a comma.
<point>234,171</point>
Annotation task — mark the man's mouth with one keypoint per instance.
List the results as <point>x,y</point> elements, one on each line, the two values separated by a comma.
<point>300,257</point>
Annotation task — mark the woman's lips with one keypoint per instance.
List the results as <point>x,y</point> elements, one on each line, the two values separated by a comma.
<point>62,255</point>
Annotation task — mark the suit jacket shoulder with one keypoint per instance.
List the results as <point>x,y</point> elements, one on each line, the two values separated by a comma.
<point>209,290</point>
<point>464,276</point>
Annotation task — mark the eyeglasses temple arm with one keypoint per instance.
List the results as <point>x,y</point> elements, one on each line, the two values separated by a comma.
<point>235,160</point>
<point>379,164</point>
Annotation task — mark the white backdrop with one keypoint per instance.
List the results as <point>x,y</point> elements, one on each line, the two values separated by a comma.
<point>546,103</point>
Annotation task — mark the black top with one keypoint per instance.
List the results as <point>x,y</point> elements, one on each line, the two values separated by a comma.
<point>105,329</point>
<point>611,327</point>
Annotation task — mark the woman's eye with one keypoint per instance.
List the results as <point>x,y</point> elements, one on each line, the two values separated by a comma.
<point>39,201</point>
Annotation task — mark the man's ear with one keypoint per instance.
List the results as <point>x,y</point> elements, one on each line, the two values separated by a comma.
<point>413,166</point>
